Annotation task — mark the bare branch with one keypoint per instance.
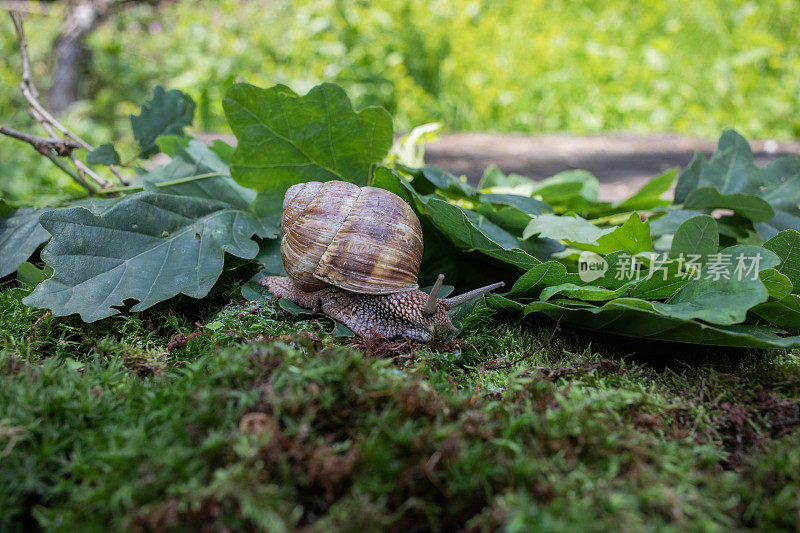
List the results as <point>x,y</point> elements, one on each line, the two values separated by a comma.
<point>29,90</point>
<point>27,79</point>
<point>61,147</point>
<point>44,117</point>
<point>52,148</point>
<point>71,173</point>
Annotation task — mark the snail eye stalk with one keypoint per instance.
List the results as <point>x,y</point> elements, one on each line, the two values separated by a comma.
<point>455,301</point>
<point>430,305</point>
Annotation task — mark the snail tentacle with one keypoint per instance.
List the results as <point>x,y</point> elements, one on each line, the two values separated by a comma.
<point>430,304</point>
<point>455,301</point>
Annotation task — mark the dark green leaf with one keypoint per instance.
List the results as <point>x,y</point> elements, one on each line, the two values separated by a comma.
<point>269,257</point>
<point>697,236</point>
<point>663,280</point>
<point>649,196</point>
<point>746,260</point>
<point>778,286</point>
<point>784,313</point>
<point>444,292</point>
<point>105,154</point>
<point>438,179</point>
<point>32,275</point>
<point>786,245</point>
<point>505,304</point>
<point>285,139</point>
<point>147,247</point>
<point>731,171</point>
<point>722,302</point>
<point>486,238</point>
<point>511,211</point>
<point>524,204</point>
<point>20,236</point>
<point>166,113</point>
<point>253,291</point>
<point>293,308</point>
<point>198,172</point>
<point>748,205</point>
<point>632,317</point>
<point>588,293</point>
<point>340,330</point>
<point>465,228</point>
<point>530,284</point>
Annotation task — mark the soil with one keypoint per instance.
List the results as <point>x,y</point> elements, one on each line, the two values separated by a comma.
<point>622,162</point>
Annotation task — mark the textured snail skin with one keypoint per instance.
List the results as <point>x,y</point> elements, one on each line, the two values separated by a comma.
<point>397,315</point>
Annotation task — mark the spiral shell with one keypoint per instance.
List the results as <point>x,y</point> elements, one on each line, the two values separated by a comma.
<point>361,239</point>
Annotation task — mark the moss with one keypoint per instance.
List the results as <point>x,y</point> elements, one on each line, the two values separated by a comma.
<point>245,418</point>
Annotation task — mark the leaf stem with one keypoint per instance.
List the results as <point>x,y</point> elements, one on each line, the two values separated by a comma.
<point>72,174</point>
<point>617,219</point>
<point>186,179</point>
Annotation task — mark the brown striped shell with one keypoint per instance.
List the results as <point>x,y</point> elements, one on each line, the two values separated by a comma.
<point>361,239</point>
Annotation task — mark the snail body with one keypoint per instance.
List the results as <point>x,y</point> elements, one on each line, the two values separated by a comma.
<point>353,253</point>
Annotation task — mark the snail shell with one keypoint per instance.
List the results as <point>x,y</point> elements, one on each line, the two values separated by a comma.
<point>361,239</point>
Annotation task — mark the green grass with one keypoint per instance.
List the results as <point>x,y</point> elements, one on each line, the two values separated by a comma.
<point>695,68</point>
<point>275,424</point>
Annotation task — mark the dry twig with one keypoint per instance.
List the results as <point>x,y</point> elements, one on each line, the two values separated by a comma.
<point>32,335</point>
<point>62,147</point>
<point>51,147</point>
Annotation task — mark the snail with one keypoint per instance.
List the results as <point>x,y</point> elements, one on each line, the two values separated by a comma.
<point>354,254</point>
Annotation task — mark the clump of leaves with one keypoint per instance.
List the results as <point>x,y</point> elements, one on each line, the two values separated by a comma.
<point>169,233</point>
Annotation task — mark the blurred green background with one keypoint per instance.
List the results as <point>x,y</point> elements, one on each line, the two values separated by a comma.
<point>689,66</point>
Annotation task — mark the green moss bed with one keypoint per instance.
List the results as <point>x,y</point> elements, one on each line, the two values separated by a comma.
<point>234,415</point>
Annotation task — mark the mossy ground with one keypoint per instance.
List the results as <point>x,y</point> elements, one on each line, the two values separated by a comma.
<point>155,420</point>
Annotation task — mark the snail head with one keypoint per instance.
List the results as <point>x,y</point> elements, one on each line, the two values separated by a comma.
<point>435,317</point>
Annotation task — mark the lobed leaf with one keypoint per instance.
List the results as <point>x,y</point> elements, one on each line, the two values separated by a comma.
<point>285,139</point>
<point>105,154</point>
<point>166,113</point>
<point>735,182</point>
<point>465,228</point>
<point>148,247</point>
<point>20,236</point>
